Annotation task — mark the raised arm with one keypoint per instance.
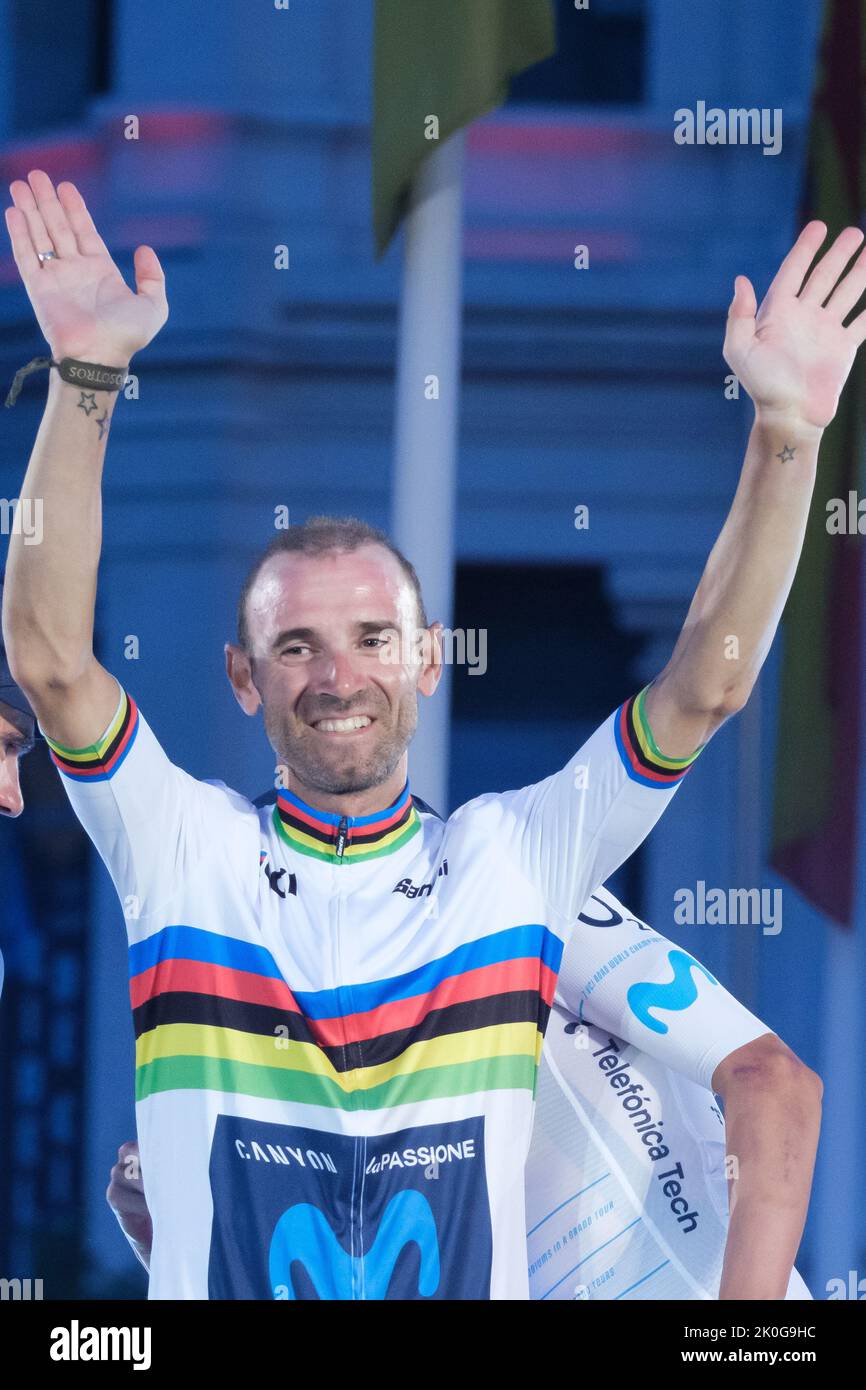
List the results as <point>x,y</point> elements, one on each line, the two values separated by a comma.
<point>792,356</point>
<point>87,312</point>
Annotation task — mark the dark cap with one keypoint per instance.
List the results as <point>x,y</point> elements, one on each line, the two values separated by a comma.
<point>10,693</point>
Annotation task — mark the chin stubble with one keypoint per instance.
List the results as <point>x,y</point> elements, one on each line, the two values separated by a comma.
<point>330,774</point>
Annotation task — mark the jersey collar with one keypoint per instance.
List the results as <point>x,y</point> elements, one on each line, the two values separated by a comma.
<point>340,839</point>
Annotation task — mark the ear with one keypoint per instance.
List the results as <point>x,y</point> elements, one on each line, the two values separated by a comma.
<point>240,674</point>
<point>431,671</point>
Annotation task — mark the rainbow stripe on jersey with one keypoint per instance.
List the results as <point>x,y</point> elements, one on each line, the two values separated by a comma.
<point>317,833</point>
<point>641,756</point>
<point>213,1013</point>
<point>100,761</point>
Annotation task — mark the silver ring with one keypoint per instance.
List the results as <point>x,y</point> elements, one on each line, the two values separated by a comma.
<point>46,256</point>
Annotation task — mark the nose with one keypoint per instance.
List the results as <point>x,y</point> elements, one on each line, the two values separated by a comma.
<point>337,675</point>
<point>11,800</point>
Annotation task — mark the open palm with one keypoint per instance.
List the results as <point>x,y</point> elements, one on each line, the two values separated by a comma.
<point>82,302</point>
<point>794,354</point>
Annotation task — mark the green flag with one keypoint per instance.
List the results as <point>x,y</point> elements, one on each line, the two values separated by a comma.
<point>439,64</point>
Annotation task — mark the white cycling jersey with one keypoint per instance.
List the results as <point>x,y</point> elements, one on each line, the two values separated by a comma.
<point>598,1226</point>
<point>626,1180</point>
<point>339,1019</point>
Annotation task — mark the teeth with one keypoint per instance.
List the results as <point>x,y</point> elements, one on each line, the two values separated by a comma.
<point>342,726</point>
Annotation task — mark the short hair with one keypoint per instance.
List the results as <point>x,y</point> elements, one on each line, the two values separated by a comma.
<point>321,535</point>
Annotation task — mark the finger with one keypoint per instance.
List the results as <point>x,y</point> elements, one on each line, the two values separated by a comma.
<point>791,273</point>
<point>88,238</point>
<point>120,1180</point>
<point>744,303</point>
<point>740,328</point>
<point>149,274</point>
<point>119,1196</point>
<point>52,213</point>
<point>25,257</point>
<point>22,197</point>
<point>849,289</point>
<point>825,276</point>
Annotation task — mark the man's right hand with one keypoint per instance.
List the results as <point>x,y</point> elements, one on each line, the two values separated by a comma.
<point>86,311</point>
<point>125,1196</point>
<point>82,303</point>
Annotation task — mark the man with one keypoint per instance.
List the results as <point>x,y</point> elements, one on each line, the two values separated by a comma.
<point>335,1079</point>
<point>611,1234</point>
<point>17,737</point>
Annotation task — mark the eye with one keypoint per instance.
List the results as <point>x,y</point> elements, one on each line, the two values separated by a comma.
<point>380,641</point>
<point>294,650</point>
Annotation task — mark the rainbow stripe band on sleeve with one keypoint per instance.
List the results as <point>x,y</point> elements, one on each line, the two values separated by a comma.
<point>643,760</point>
<point>100,761</point>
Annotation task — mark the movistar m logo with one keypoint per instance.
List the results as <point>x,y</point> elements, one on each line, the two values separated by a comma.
<point>678,994</point>
<point>303,1234</point>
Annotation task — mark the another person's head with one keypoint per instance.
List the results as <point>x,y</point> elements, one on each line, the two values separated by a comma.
<point>17,736</point>
<point>334,645</point>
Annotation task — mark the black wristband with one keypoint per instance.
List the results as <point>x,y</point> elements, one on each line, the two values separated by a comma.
<point>90,375</point>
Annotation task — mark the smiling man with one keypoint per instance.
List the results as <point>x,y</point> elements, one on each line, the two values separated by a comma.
<point>335,1081</point>
<point>340,742</point>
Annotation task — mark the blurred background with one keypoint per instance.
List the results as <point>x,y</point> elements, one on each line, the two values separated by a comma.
<point>603,387</point>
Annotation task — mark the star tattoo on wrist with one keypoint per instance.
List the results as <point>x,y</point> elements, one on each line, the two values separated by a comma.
<point>88,402</point>
<point>786,453</point>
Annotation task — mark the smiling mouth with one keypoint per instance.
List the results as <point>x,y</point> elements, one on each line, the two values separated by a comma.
<point>350,725</point>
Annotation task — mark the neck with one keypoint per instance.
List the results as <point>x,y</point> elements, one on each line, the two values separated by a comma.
<point>351,828</point>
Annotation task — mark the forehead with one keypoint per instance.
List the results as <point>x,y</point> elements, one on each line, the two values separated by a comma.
<point>298,590</point>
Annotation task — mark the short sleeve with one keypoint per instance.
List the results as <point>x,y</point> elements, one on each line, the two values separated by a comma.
<point>571,831</point>
<point>151,823</point>
<point>621,975</point>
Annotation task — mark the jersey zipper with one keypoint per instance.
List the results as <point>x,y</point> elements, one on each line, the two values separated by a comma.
<point>342,837</point>
<point>359,1154</point>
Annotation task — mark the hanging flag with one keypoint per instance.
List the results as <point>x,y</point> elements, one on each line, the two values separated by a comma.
<point>439,64</point>
<point>819,752</point>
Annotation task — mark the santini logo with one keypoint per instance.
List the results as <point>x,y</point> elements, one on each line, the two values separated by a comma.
<point>419,890</point>
<point>76,1343</point>
<point>304,1234</point>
